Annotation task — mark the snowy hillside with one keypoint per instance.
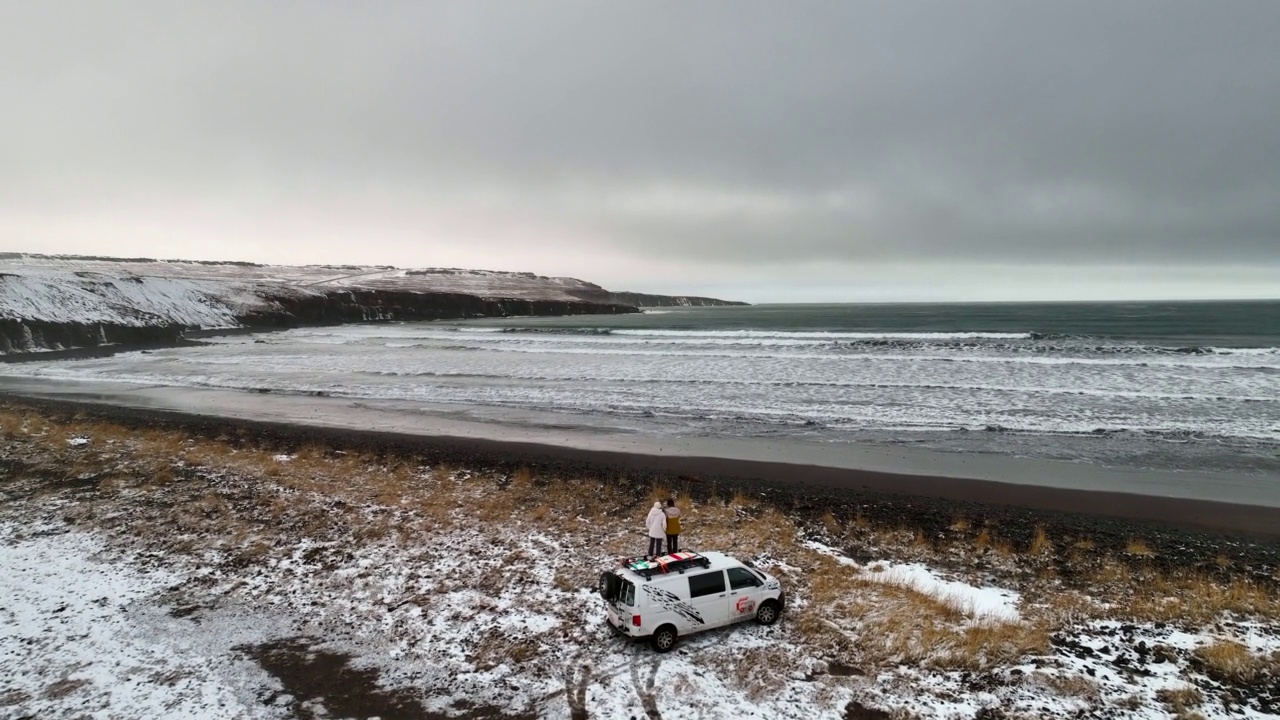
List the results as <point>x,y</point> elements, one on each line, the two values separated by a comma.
<point>482,283</point>
<point>142,292</point>
<point>79,297</point>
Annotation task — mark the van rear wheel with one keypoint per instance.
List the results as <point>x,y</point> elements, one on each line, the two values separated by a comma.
<point>768,612</point>
<point>664,638</point>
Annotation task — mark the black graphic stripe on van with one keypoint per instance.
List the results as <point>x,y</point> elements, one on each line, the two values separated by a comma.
<point>670,601</point>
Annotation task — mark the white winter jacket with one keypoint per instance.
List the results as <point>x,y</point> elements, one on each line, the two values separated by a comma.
<point>656,522</point>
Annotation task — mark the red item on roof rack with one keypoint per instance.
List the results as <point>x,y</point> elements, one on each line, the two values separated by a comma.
<point>674,562</point>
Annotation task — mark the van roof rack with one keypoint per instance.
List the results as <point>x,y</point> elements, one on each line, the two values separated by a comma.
<point>674,562</point>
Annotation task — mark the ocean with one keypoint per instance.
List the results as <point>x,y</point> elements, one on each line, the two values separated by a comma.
<point>1167,385</point>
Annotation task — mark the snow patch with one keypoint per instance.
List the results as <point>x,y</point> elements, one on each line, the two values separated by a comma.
<point>74,637</point>
<point>980,603</point>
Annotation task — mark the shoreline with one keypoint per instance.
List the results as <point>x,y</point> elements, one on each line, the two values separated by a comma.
<point>327,582</point>
<point>881,485</point>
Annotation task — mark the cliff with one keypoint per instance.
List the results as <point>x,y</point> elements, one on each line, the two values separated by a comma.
<point>336,307</point>
<point>73,306</point>
<point>333,307</point>
<point>68,304</point>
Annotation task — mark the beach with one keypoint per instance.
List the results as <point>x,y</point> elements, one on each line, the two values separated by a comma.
<point>335,564</point>
<point>407,520</point>
<point>945,483</point>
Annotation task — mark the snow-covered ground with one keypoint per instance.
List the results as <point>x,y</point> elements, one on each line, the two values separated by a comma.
<point>81,634</point>
<point>979,603</point>
<point>135,301</point>
<point>222,592</point>
<point>88,629</point>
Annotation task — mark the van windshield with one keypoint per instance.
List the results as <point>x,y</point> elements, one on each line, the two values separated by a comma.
<point>627,594</point>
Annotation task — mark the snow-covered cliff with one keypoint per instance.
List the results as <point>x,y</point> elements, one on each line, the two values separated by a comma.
<point>62,302</point>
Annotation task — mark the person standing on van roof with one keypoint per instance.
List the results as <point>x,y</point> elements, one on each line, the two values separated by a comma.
<point>673,526</point>
<point>656,522</point>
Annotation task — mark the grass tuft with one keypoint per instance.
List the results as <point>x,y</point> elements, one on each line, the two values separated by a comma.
<point>1228,660</point>
<point>1139,548</point>
<point>1040,543</point>
<point>1180,700</point>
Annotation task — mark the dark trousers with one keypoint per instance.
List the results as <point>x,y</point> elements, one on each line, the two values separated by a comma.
<point>655,546</point>
<point>673,544</point>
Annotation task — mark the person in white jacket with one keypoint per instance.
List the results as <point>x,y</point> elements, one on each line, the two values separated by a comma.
<point>656,522</point>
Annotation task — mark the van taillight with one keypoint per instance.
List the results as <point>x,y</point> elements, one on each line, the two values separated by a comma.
<point>635,620</point>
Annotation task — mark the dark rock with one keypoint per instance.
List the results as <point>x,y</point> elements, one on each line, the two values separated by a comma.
<point>857,711</point>
<point>332,308</point>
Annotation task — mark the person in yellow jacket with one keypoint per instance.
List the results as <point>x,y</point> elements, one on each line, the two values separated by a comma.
<point>673,526</point>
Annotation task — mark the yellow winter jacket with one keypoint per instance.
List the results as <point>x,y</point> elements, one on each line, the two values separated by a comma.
<point>673,520</point>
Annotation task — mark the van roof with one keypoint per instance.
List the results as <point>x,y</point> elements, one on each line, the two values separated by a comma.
<point>677,564</point>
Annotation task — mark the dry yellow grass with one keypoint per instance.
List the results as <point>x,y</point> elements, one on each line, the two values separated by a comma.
<point>831,525</point>
<point>1198,598</point>
<point>1110,572</point>
<point>1180,700</point>
<point>1040,543</point>
<point>522,478</point>
<point>846,618</point>
<point>1231,661</point>
<point>987,540</point>
<point>859,520</point>
<point>1139,548</point>
<point>1067,607</point>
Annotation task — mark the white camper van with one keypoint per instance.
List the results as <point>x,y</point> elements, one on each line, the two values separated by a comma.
<point>685,593</point>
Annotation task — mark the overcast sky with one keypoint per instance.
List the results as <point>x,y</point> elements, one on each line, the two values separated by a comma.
<point>765,151</point>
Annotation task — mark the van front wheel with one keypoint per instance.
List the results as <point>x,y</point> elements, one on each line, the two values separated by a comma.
<point>768,613</point>
<point>664,638</point>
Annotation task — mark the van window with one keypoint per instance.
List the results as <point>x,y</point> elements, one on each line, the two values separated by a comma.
<point>706,584</point>
<point>742,578</point>
<point>627,594</point>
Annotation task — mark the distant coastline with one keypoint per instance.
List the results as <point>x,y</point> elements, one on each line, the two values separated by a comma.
<point>66,303</point>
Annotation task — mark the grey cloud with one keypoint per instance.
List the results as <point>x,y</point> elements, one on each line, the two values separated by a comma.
<point>736,132</point>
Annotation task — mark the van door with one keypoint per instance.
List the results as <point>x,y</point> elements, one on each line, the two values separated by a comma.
<point>744,594</point>
<point>708,595</point>
<point>623,607</point>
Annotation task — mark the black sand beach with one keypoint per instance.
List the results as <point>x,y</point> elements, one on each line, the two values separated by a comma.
<point>1189,532</point>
